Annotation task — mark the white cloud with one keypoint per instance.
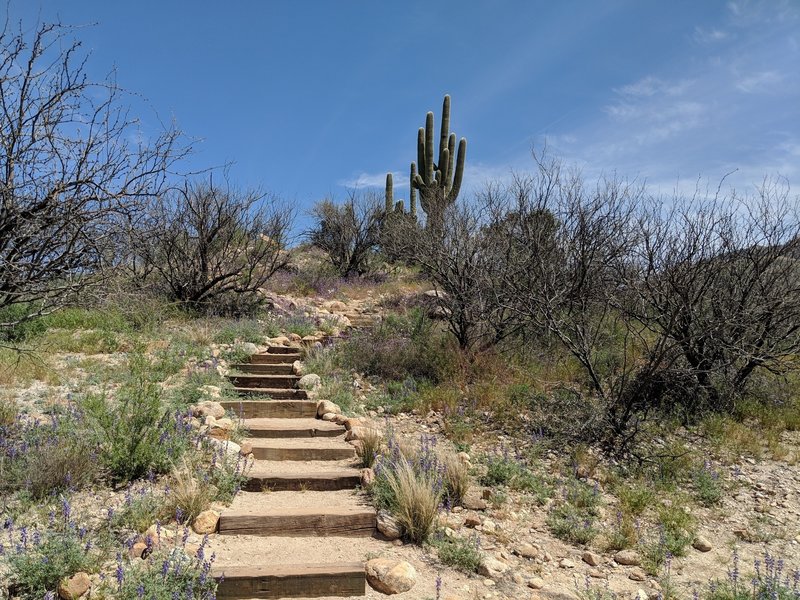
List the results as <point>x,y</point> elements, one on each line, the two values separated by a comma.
<point>375,180</point>
<point>710,36</point>
<point>759,82</point>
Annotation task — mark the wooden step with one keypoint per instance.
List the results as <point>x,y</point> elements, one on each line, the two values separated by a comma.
<point>301,449</point>
<point>317,479</point>
<point>291,581</point>
<point>250,380</point>
<point>274,393</point>
<point>299,522</point>
<point>283,350</point>
<point>268,369</point>
<point>281,409</point>
<point>271,359</point>
<point>291,428</point>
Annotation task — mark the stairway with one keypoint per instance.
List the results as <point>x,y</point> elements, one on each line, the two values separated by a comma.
<point>300,489</point>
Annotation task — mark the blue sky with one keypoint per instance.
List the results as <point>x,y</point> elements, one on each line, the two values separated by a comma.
<point>308,98</point>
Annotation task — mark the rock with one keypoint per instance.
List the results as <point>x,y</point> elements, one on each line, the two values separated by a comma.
<point>360,433</point>
<point>329,417</point>
<point>353,422</point>
<point>297,368</point>
<point>627,558</point>
<point>566,563</point>
<point>212,391</point>
<point>701,544</point>
<point>246,448</point>
<point>281,340</point>
<point>367,477</point>
<point>637,574</point>
<point>326,406</point>
<point>388,525</point>
<point>206,522</point>
<point>294,337</point>
<point>72,588</point>
<point>247,348</point>
<point>474,501</point>
<point>591,559</point>
<point>339,419</point>
<point>138,550</point>
<point>492,568</point>
<point>472,521</point>
<point>536,583</point>
<point>335,306</point>
<point>156,535</point>
<point>527,551</point>
<point>390,576</point>
<point>310,339</point>
<point>312,381</point>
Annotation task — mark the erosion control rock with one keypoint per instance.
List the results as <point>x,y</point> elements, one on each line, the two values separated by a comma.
<point>388,525</point>
<point>72,588</point>
<point>309,382</point>
<point>390,576</point>
<point>206,522</point>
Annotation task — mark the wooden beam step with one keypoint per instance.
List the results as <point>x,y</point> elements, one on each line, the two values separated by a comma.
<point>283,350</point>
<point>274,393</point>
<point>280,409</point>
<point>287,522</point>
<point>291,581</point>
<point>271,359</point>
<point>250,380</point>
<point>264,369</point>
<point>321,480</point>
<point>291,428</point>
<point>301,449</point>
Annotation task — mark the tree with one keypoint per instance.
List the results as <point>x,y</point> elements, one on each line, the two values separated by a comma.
<point>69,170</point>
<point>212,248</point>
<point>350,233</point>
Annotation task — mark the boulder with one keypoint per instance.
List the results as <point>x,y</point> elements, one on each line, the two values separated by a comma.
<point>390,576</point>
<point>72,588</point>
<point>388,525</point>
<point>310,382</point>
<point>326,406</point>
<point>492,568</point>
<point>246,348</point>
<point>209,408</point>
<point>591,559</point>
<point>206,522</point>
<point>701,544</point>
<point>138,550</point>
<point>627,558</point>
<point>526,551</point>
<point>246,448</point>
<point>297,367</point>
<point>329,417</point>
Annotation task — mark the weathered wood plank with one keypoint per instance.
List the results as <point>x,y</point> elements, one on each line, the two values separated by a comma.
<point>250,380</point>
<point>271,359</point>
<point>283,409</point>
<point>283,350</point>
<point>297,449</point>
<point>291,581</point>
<point>292,428</point>
<point>264,369</point>
<point>274,393</point>
<point>349,522</point>
<point>322,481</point>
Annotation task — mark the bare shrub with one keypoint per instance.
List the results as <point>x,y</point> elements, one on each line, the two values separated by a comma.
<point>69,170</point>
<point>211,248</point>
<point>349,233</point>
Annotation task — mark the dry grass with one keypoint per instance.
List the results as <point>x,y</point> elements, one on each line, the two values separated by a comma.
<point>456,477</point>
<point>188,496</point>
<point>20,369</point>
<point>371,445</point>
<point>417,501</point>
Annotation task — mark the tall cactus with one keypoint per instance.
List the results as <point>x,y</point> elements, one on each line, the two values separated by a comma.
<point>438,182</point>
<point>389,194</point>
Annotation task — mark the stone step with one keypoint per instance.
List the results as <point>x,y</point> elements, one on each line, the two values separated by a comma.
<point>294,514</point>
<point>278,409</point>
<point>251,380</point>
<point>301,449</point>
<point>283,350</point>
<point>264,369</point>
<point>291,581</point>
<point>271,359</point>
<point>291,428</point>
<point>321,476</point>
<point>274,393</point>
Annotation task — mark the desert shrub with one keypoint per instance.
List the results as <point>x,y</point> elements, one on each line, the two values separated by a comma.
<point>142,507</point>
<point>195,386</point>
<point>340,392</point>
<point>770,580</point>
<point>227,473</point>
<point>675,529</point>
<point>370,447</point>
<point>38,560</point>
<point>167,574</point>
<point>707,485</point>
<point>506,470</point>
<point>634,497</point>
<point>241,330</point>
<point>408,484</point>
<point>460,553</point>
<point>573,516</point>
<point>400,347</point>
<point>45,458</point>
<point>135,433</point>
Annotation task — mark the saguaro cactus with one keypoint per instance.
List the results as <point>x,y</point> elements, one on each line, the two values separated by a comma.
<point>438,182</point>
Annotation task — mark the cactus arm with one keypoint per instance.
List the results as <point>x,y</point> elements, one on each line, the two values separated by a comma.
<point>445,132</point>
<point>389,193</point>
<point>444,166</point>
<point>459,174</point>
<point>412,194</point>
<point>429,143</point>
